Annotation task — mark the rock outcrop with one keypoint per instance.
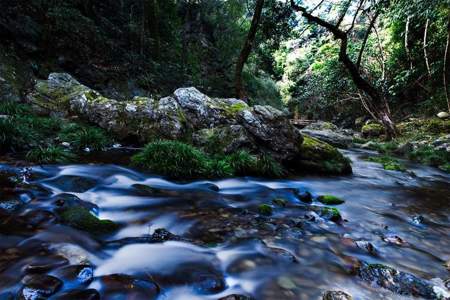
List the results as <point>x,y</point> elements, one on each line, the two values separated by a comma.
<point>189,115</point>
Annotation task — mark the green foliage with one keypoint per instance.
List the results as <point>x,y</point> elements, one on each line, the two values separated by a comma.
<point>269,167</point>
<point>243,163</point>
<point>389,163</point>
<point>330,200</point>
<point>13,108</point>
<point>81,218</point>
<point>179,160</point>
<point>51,154</point>
<point>14,135</point>
<point>175,159</point>
<point>428,155</point>
<point>81,137</point>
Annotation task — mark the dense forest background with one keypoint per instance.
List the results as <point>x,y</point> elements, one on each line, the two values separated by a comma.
<point>151,47</point>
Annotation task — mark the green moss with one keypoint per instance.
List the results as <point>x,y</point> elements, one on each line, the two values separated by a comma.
<point>51,154</point>
<point>372,130</point>
<point>389,163</point>
<point>80,218</point>
<point>280,202</point>
<point>233,110</point>
<point>331,213</point>
<point>265,209</point>
<point>330,200</point>
<point>319,157</point>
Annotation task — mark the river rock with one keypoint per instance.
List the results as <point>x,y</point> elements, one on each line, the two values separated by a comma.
<point>89,294</point>
<point>187,113</point>
<point>121,286</point>
<point>399,282</point>
<point>336,295</point>
<point>443,115</point>
<point>38,286</point>
<point>331,137</point>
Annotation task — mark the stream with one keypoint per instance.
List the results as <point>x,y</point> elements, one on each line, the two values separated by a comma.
<point>207,239</point>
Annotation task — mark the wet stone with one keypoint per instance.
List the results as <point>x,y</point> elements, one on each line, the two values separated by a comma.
<point>74,184</point>
<point>235,297</point>
<point>336,295</point>
<point>45,264</point>
<point>127,287</point>
<point>76,274</point>
<point>89,294</point>
<point>396,281</point>
<point>38,286</point>
<point>63,201</point>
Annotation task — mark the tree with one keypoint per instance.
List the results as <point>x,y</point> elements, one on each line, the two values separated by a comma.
<point>246,50</point>
<point>372,99</point>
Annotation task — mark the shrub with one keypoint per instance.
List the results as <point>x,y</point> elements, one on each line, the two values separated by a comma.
<point>428,155</point>
<point>81,137</point>
<point>174,159</point>
<point>51,154</point>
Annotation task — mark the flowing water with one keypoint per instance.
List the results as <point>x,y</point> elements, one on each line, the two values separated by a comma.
<point>218,243</point>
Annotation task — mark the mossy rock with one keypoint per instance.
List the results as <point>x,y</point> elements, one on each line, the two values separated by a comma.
<point>319,157</point>
<point>81,218</point>
<point>331,213</point>
<point>330,200</point>
<point>372,130</point>
<point>265,209</point>
<point>280,202</point>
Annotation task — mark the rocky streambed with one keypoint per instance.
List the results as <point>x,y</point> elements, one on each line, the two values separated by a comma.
<point>102,231</point>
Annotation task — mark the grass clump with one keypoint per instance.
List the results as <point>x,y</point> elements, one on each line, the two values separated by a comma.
<point>242,162</point>
<point>179,160</point>
<point>389,163</point>
<point>330,200</point>
<point>265,209</point>
<point>81,137</point>
<point>269,167</point>
<point>174,159</point>
<point>50,154</point>
<point>81,218</point>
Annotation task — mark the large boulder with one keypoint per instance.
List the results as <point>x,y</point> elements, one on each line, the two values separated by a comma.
<point>329,133</point>
<point>226,124</point>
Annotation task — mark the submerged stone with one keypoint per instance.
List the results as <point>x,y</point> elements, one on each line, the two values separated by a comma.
<point>330,200</point>
<point>81,218</point>
<point>38,286</point>
<point>336,295</point>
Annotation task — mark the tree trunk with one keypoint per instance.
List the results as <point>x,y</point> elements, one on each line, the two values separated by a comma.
<point>366,37</point>
<point>154,28</point>
<point>445,75</point>
<point>246,50</point>
<point>408,51</point>
<point>425,45</point>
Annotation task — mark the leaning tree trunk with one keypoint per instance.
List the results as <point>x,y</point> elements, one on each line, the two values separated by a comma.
<point>246,50</point>
<point>445,71</point>
<point>377,106</point>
